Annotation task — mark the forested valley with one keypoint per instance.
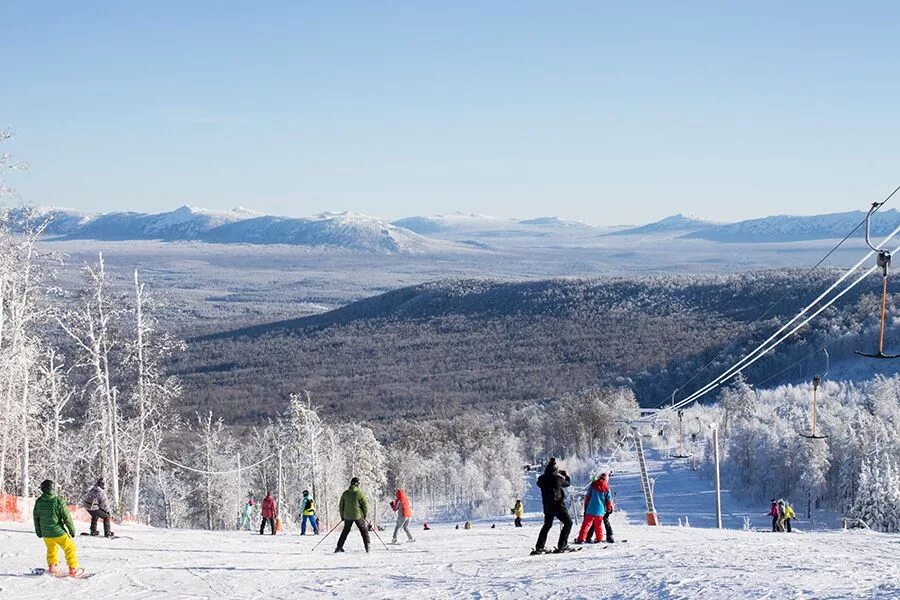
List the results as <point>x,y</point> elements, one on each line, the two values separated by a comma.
<point>445,347</point>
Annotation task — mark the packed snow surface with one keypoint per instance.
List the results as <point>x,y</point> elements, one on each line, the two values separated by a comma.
<point>663,562</point>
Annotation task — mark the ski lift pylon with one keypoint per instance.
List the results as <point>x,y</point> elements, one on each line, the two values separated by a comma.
<point>815,435</point>
<point>884,262</point>
<point>682,453</point>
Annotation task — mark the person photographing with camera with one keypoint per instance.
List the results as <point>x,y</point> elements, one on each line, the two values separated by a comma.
<point>553,497</point>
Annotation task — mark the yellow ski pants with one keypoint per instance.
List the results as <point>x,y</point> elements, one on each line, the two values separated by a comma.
<point>67,544</point>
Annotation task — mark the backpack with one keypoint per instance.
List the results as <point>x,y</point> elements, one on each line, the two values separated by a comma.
<point>310,507</point>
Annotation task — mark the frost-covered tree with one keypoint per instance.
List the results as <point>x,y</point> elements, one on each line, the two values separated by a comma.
<point>23,312</point>
<point>91,326</point>
<point>215,454</point>
<point>153,391</point>
<point>362,456</point>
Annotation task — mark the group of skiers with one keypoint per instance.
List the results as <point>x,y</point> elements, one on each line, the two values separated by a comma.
<point>53,523</point>
<point>598,507</point>
<point>781,513</point>
<point>353,509</point>
<point>269,514</point>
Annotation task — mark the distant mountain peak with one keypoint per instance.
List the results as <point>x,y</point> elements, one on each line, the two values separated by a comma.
<point>554,222</point>
<point>679,222</point>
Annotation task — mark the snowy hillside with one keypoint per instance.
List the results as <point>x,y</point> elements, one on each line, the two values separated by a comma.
<point>340,230</point>
<point>491,230</point>
<point>455,222</point>
<point>675,223</point>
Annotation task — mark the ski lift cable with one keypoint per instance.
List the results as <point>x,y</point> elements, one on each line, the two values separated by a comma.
<point>735,371</point>
<point>613,453</point>
<point>876,206</point>
<point>856,282</point>
<point>789,367</point>
<point>766,347</point>
<point>227,472</point>
<point>739,365</point>
<point>723,378</point>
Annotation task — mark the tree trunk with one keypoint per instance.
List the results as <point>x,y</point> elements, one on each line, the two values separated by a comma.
<point>26,459</point>
<point>142,400</point>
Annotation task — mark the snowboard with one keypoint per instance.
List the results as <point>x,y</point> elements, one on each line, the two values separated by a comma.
<point>62,574</point>
<point>112,537</point>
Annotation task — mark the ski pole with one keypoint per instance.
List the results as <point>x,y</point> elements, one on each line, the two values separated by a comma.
<point>375,531</point>
<point>326,535</point>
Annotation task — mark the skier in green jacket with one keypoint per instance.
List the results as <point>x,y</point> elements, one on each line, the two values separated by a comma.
<point>53,523</point>
<point>354,507</point>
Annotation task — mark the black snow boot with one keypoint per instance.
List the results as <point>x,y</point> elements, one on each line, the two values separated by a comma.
<point>336,550</point>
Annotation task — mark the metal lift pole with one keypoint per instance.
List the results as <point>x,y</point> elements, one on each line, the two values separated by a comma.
<point>652,517</point>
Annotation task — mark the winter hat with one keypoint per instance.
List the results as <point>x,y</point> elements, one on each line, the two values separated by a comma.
<point>306,492</point>
<point>354,481</point>
<point>47,485</point>
<point>100,483</point>
<point>602,476</point>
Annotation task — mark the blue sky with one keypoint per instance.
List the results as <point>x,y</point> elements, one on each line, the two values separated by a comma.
<point>604,112</point>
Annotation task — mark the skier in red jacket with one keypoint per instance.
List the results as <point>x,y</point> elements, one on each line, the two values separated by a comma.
<point>402,506</point>
<point>269,512</point>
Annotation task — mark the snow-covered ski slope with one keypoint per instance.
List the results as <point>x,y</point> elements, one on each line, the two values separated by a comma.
<point>656,562</point>
<point>660,562</point>
<point>686,495</point>
<point>664,562</point>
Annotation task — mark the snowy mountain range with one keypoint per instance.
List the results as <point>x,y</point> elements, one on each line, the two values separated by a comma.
<point>351,231</point>
<point>783,228</point>
<point>427,234</point>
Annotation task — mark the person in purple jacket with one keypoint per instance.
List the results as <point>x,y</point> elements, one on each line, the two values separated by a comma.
<point>97,504</point>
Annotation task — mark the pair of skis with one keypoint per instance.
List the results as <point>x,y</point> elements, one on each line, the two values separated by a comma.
<point>569,549</point>
<point>565,550</point>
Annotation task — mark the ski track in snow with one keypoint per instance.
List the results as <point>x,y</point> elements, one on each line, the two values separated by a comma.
<point>668,562</point>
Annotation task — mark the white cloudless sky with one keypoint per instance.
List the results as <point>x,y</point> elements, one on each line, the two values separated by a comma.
<point>605,112</point>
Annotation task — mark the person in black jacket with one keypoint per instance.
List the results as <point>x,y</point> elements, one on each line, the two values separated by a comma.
<point>553,496</point>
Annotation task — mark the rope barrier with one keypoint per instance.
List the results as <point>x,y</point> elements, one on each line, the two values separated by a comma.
<point>228,472</point>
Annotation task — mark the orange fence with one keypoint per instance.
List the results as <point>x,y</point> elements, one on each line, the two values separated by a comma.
<point>16,508</point>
